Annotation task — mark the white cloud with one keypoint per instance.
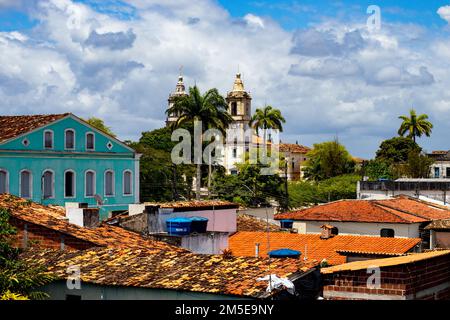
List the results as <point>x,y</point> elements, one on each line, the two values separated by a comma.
<point>330,79</point>
<point>444,13</point>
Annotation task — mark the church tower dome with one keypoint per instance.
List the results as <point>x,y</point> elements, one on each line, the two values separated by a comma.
<point>239,102</point>
<point>180,90</point>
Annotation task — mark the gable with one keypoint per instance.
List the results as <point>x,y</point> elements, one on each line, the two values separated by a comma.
<point>35,138</point>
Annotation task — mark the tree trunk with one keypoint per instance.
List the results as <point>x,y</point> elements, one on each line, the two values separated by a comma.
<point>198,181</point>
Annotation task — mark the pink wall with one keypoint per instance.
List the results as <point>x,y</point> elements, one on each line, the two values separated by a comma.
<point>443,239</point>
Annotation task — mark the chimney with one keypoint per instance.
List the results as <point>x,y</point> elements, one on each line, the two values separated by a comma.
<point>257,250</point>
<point>327,231</point>
<point>83,216</point>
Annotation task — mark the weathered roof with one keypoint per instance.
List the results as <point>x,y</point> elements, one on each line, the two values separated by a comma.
<point>313,247</point>
<point>386,262</point>
<point>294,148</point>
<point>52,218</point>
<point>439,225</point>
<point>164,269</point>
<point>195,204</point>
<point>247,222</point>
<point>13,126</point>
<point>401,209</point>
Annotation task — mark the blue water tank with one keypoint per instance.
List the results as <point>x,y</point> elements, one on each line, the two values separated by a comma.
<point>179,226</point>
<point>198,224</point>
<point>286,224</point>
<point>285,253</point>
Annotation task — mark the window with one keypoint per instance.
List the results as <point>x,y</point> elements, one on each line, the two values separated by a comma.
<point>89,183</point>
<point>4,181</point>
<point>436,172</point>
<point>387,233</point>
<point>334,231</point>
<point>48,139</point>
<point>90,141</point>
<point>234,152</point>
<point>109,183</point>
<point>233,108</point>
<point>447,172</point>
<point>69,139</point>
<point>48,184</point>
<point>69,184</point>
<point>127,183</point>
<point>25,184</point>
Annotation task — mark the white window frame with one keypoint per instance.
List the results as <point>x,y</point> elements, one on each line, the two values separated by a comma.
<point>94,189</point>
<point>113,183</point>
<point>7,179</point>
<point>53,183</point>
<point>74,184</point>
<point>86,141</point>
<point>53,139</point>
<point>31,183</point>
<point>131,183</point>
<point>74,139</point>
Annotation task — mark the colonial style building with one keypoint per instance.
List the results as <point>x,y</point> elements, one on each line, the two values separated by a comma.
<point>56,159</point>
<point>295,156</point>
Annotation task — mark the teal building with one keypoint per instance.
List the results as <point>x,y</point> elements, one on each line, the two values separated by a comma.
<point>55,159</point>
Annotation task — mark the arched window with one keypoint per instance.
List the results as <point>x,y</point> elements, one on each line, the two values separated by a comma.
<point>233,108</point>
<point>69,139</point>
<point>127,183</point>
<point>109,183</point>
<point>4,181</point>
<point>48,184</point>
<point>90,141</point>
<point>26,184</point>
<point>89,183</point>
<point>48,139</point>
<point>387,233</point>
<point>69,184</point>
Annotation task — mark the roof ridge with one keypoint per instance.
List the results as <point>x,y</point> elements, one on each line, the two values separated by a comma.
<point>395,209</point>
<point>403,211</point>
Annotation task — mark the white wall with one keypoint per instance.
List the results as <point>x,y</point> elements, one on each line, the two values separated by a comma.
<point>358,228</point>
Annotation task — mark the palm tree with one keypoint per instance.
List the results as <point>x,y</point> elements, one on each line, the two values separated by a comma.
<point>267,118</point>
<point>415,125</point>
<point>209,108</point>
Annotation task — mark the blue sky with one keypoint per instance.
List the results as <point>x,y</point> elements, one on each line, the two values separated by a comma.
<point>315,60</point>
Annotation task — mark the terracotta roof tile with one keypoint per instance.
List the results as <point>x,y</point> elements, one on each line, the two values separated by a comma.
<point>295,148</point>
<point>387,262</point>
<point>247,222</point>
<point>13,126</point>
<point>194,204</point>
<point>165,269</point>
<point>243,244</point>
<point>54,219</point>
<point>397,210</point>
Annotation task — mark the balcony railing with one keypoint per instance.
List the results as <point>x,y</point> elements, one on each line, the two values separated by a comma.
<point>404,185</point>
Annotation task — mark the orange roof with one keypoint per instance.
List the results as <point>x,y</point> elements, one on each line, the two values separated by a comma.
<point>401,209</point>
<point>293,147</point>
<point>54,219</point>
<point>13,126</point>
<point>243,244</point>
<point>195,204</point>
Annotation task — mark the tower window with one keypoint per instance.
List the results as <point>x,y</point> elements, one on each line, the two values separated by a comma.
<point>234,108</point>
<point>234,152</point>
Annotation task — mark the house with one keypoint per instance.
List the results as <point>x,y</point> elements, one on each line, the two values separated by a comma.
<point>441,166</point>
<point>439,233</point>
<point>421,276</point>
<point>430,188</point>
<point>295,156</point>
<point>57,159</point>
<point>159,274</point>
<point>48,227</point>
<point>335,250</point>
<point>402,217</point>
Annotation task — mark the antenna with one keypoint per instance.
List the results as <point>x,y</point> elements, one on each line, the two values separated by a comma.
<point>181,70</point>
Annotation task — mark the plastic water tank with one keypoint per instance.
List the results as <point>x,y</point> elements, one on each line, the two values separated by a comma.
<point>285,253</point>
<point>286,224</point>
<point>179,226</point>
<point>198,224</point>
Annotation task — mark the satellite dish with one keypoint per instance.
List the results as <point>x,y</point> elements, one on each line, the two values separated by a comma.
<point>99,200</point>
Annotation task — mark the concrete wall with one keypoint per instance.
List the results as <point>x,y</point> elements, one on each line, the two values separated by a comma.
<point>206,243</point>
<point>357,228</point>
<point>58,291</point>
<point>442,239</point>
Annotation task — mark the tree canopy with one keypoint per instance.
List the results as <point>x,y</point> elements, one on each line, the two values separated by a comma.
<point>415,125</point>
<point>100,125</point>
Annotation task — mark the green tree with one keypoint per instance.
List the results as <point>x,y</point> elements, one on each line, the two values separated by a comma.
<point>377,169</point>
<point>396,150</point>
<point>18,280</point>
<point>415,125</point>
<point>100,125</point>
<point>327,160</point>
<point>418,165</point>
<point>267,118</point>
<point>210,109</point>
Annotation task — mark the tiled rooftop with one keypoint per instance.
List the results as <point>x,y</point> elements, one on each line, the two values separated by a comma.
<point>247,222</point>
<point>313,247</point>
<point>164,269</point>
<point>439,225</point>
<point>195,204</point>
<point>387,262</point>
<point>54,219</point>
<point>294,148</point>
<point>400,209</point>
<point>13,126</point>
